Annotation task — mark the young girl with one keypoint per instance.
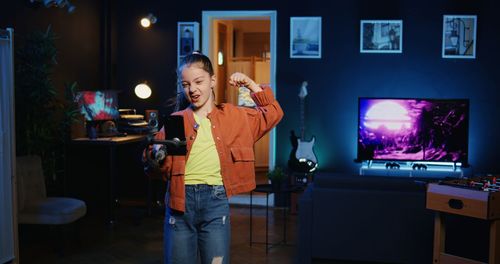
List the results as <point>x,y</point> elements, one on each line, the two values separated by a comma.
<point>219,163</point>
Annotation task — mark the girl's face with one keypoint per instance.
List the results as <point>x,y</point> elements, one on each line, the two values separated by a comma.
<point>197,84</point>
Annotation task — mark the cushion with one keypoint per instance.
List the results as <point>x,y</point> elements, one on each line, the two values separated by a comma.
<point>52,211</point>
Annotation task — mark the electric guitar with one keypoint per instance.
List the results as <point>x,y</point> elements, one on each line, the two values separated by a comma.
<point>302,157</point>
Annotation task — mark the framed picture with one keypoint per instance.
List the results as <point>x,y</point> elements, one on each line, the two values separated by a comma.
<point>305,37</point>
<point>459,36</point>
<point>188,38</point>
<point>381,36</point>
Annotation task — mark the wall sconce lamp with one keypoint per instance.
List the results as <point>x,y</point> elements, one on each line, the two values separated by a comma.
<point>142,91</point>
<point>148,20</point>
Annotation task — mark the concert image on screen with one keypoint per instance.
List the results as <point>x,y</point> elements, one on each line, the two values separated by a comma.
<point>98,105</point>
<point>413,129</point>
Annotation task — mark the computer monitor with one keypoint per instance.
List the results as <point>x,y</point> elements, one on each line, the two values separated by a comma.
<point>98,105</point>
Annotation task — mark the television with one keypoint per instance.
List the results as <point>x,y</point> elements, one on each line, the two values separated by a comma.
<point>98,105</point>
<point>413,129</point>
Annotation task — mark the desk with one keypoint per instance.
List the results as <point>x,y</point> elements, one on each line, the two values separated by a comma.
<point>111,143</point>
<point>267,189</point>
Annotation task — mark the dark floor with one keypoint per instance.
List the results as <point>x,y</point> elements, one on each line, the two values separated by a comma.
<point>138,239</point>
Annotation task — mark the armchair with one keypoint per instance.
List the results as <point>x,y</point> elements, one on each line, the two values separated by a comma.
<point>34,207</point>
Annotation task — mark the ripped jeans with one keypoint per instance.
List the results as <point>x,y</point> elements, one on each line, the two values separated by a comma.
<point>203,233</point>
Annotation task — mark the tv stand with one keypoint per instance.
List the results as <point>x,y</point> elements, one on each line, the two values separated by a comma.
<point>412,169</point>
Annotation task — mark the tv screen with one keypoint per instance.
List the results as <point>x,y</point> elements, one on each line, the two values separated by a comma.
<point>413,129</point>
<point>98,105</point>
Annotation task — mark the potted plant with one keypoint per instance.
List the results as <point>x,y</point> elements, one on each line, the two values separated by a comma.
<point>44,112</point>
<point>277,178</point>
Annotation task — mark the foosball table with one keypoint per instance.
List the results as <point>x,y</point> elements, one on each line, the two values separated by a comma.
<point>477,197</point>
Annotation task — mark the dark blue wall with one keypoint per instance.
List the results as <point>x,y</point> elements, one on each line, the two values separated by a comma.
<point>342,74</point>
<point>78,37</point>
<point>335,81</point>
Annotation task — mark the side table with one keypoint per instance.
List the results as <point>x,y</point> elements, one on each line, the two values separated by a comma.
<point>267,189</point>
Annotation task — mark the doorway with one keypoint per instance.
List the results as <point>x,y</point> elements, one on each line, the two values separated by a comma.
<point>243,41</point>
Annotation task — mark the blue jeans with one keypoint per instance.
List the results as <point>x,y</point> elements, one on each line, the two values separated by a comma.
<point>203,232</point>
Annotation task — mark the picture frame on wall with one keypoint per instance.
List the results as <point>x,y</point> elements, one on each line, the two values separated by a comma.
<point>188,39</point>
<point>459,36</point>
<point>305,37</point>
<point>381,36</point>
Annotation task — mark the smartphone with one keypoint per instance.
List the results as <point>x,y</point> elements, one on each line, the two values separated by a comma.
<point>174,130</point>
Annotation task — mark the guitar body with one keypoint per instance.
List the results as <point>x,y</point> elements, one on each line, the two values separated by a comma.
<point>305,150</point>
<point>302,157</point>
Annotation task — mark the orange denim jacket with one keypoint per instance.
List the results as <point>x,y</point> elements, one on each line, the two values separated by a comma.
<point>235,130</point>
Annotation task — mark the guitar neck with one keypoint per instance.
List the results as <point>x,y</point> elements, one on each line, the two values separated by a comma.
<point>302,126</point>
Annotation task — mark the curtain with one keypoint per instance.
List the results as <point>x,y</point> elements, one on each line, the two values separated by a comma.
<point>7,146</point>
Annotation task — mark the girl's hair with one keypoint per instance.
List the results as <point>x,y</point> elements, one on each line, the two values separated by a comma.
<point>195,58</point>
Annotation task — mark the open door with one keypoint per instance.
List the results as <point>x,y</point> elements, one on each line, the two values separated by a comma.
<point>242,43</point>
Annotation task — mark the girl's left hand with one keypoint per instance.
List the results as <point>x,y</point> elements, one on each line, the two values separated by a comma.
<point>238,79</point>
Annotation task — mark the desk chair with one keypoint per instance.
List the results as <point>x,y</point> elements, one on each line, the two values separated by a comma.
<point>34,207</point>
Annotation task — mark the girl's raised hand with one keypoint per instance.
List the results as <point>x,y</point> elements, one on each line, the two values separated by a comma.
<point>239,79</point>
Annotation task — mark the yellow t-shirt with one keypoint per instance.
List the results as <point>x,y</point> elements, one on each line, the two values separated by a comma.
<point>203,164</point>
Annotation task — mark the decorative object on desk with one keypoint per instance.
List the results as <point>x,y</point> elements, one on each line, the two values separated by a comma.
<point>108,129</point>
<point>302,157</point>
<point>459,36</point>
<point>381,36</point>
<point>277,178</point>
<point>305,37</point>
